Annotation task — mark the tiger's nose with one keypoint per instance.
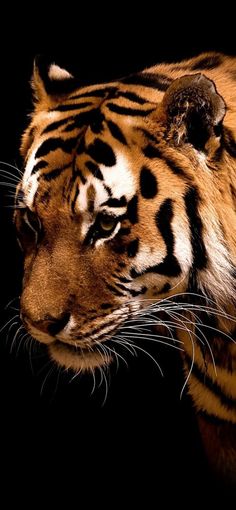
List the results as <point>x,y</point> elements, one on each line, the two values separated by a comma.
<point>50,325</point>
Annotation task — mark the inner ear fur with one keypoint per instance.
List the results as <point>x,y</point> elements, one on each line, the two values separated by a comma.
<point>194,110</point>
<point>50,81</point>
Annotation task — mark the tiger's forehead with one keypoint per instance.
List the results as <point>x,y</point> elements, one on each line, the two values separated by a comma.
<point>104,168</point>
<point>99,153</point>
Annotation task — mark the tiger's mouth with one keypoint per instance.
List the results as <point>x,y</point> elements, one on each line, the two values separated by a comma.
<point>84,358</point>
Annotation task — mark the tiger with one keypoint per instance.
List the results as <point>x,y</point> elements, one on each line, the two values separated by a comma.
<point>127,210</point>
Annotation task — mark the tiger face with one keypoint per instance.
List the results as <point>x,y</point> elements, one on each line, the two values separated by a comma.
<point>111,206</point>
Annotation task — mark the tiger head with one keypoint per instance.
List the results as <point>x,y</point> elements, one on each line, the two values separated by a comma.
<point>118,207</point>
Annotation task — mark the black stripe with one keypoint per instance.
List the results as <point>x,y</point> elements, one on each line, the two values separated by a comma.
<point>69,107</point>
<point>94,169</point>
<point>122,110</point>
<point>80,120</point>
<point>132,210</point>
<point>48,176</point>
<point>132,97</point>
<point>196,228</point>
<point>226,400</point>
<point>38,166</point>
<point>153,80</point>
<point>229,142</point>
<point>148,183</point>
<point>57,124</point>
<point>81,176</point>
<point>135,293</point>
<point>216,420</point>
<point>170,265</point>
<point>104,306</point>
<point>95,330</point>
<point>96,123</point>
<point>132,248</point>
<point>114,290</point>
<point>152,152</point>
<point>74,200</point>
<point>52,144</point>
<point>176,169</point>
<point>147,134</point>
<point>164,216</point>
<point>207,63</point>
<point>123,279</point>
<point>233,192</point>
<point>70,127</point>
<point>122,287</point>
<point>80,145</point>
<point>116,132</point>
<point>116,202</point>
<point>108,190</point>
<point>163,219</point>
<point>166,287</point>
<point>101,152</point>
<point>95,93</point>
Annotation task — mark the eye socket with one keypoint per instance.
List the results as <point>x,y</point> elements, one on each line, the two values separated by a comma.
<point>28,227</point>
<point>31,220</point>
<point>107,223</point>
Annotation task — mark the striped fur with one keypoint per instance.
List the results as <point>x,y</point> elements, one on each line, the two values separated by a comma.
<point>131,186</point>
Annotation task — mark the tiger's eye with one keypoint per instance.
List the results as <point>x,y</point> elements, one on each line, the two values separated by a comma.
<point>107,223</point>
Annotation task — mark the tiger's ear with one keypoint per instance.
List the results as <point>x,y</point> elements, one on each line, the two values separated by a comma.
<point>50,80</point>
<point>194,111</point>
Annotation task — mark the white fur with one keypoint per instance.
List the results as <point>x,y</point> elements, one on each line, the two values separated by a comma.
<point>57,73</point>
<point>145,258</point>
<point>30,183</point>
<point>68,328</point>
<point>101,194</point>
<point>182,246</point>
<point>217,278</point>
<point>29,167</point>
<point>119,177</point>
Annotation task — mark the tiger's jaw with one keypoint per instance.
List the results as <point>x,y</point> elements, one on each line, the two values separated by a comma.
<point>74,355</point>
<point>78,359</point>
<point>81,352</point>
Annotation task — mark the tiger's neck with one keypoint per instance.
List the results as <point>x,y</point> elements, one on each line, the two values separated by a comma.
<point>210,368</point>
<point>210,364</point>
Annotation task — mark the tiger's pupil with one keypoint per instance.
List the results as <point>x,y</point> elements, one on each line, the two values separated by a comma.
<point>107,223</point>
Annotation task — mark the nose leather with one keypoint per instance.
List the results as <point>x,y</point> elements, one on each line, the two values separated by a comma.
<point>51,325</point>
<point>56,325</point>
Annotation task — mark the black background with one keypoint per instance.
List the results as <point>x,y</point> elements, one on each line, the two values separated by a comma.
<point>143,442</point>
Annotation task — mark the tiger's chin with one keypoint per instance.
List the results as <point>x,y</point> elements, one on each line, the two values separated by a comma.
<point>84,360</point>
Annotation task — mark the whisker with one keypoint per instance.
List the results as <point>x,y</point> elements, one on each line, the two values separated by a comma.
<point>149,356</point>
<point>191,366</point>
<point>15,337</point>
<point>11,301</point>
<point>94,381</point>
<point>50,371</point>
<point>8,184</point>
<point>11,166</point>
<point>8,322</point>
<point>8,175</point>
